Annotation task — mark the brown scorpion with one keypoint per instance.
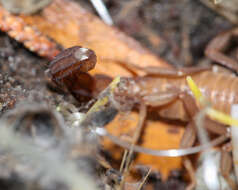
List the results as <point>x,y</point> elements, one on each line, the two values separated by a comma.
<point>164,90</point>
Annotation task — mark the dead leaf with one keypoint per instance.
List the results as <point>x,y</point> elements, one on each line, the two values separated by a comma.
<point>69,24</point>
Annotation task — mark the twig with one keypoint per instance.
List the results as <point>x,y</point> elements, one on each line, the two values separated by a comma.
<point>145,178</point>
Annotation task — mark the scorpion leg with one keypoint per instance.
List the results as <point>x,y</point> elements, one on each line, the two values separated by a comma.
<point>209,124</point>
<point>215,49</point>
<point>189,136</point>
<point>168,72</point>
<point>163,98</point>
<point>190,105</point>
<point>215,127</point>
<point>226,164</point>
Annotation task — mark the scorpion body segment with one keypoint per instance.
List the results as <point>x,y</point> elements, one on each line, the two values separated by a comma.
<point>220,89</point>
<point>164,90</point>
<point>160,89</point>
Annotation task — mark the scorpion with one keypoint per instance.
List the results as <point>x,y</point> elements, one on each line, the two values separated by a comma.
<point>163,89</point>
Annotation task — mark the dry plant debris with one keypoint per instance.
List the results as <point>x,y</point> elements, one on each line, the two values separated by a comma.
<point>228,9</point>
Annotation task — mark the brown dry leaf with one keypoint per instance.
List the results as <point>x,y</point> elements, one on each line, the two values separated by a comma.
<point>68,24</point>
